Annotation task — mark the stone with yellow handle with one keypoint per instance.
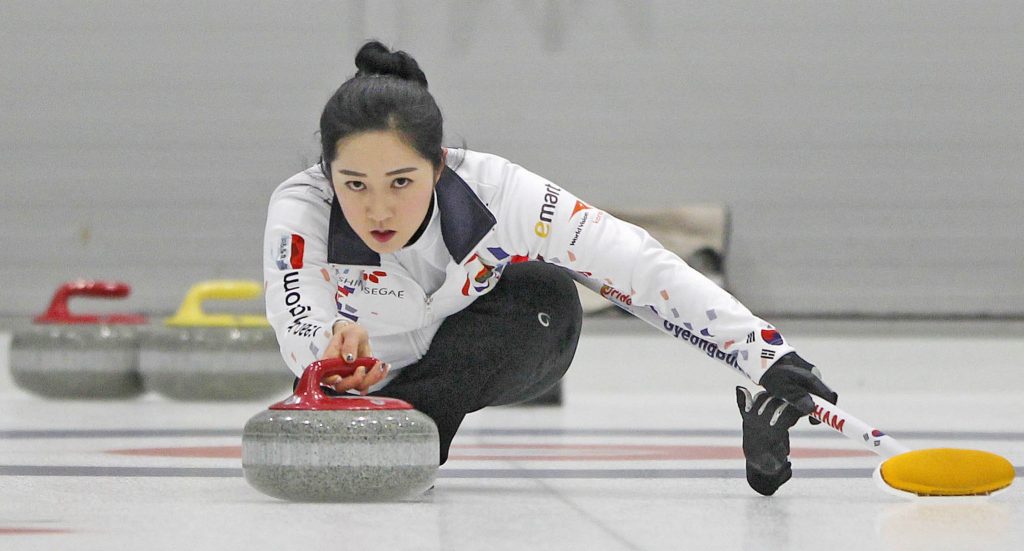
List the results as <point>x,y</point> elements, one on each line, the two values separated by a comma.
<point>203,355</point>
<point>191,313</point>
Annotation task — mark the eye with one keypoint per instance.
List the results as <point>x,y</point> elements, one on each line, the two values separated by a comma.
<point>401,182</point>
<point>355,185</point>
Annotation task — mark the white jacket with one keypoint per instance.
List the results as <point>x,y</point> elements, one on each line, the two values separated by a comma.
<point>491,213</point>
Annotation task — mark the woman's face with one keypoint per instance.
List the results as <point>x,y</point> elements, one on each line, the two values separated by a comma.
<point>384,188</point>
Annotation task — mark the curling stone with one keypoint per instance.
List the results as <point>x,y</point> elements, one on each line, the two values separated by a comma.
<point>202,356</point>
<point>312,447</point>
<point>66,355</point>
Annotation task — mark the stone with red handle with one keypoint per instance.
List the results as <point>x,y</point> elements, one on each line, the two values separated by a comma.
<point>312,447</point>
<point>64,354</point>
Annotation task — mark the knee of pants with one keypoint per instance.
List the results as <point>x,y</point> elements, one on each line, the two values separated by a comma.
<point>546,286</point>
<point>550,376</point>
<point>546,299</point>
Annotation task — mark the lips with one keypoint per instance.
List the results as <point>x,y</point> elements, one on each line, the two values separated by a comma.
<point>382,236</point>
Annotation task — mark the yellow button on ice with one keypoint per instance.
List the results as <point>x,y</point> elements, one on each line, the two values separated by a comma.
<point>947,472</point>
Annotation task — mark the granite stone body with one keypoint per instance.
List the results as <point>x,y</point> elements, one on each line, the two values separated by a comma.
<point>340,455</point>
<point>77,361</point>
<point>213,363</point>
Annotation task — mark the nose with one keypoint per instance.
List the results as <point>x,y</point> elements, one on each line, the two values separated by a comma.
<point>379,211</point>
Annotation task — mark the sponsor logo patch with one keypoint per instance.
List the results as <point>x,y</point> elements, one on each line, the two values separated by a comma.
<point>829,418</point>
<point>708,347</point>
<point>297,310</point>
<point>367,282</point>
<point>616,295</point>
<point>547,211</point>
<point>580,205</point>
<point>579,229</point>
<point>374,276</point>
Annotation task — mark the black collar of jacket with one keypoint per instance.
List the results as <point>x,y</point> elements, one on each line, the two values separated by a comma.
<point>465,221</point>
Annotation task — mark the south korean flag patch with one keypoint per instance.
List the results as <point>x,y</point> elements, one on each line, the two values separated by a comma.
<point>289,251</point>
<point>772,337</point>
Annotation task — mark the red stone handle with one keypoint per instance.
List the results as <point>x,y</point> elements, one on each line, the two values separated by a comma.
<point>309,383</point>
<point>309,396</point>
<point>58,311</point>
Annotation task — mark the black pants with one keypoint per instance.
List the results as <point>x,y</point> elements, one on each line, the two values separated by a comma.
<point>509,346</point>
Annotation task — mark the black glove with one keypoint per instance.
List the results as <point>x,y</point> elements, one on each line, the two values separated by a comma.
<point>766,422</point>
<point>794,379</point>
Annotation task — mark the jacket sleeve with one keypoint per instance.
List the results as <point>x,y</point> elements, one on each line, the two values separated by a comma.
<point>300,291</point>
<point>543,221</point>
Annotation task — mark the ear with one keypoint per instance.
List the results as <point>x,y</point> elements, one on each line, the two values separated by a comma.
<point>440,168</point>
<point>325,169</point>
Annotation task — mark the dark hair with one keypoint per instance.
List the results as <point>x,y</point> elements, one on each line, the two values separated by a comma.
<point>389,92</point>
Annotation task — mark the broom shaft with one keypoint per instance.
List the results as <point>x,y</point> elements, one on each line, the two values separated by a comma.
<point>833,417</point>
<point>830,415</point>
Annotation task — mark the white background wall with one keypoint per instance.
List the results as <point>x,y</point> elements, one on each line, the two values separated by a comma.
<point>871,152</point>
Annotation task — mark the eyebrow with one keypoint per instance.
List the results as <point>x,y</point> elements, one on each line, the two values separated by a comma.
<point>392,173</point>
<point>401,171</point>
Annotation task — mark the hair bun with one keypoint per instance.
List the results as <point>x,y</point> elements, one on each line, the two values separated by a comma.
<point>375,58</point>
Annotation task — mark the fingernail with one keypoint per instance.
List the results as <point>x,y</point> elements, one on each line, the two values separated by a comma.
<point>349,357</point>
